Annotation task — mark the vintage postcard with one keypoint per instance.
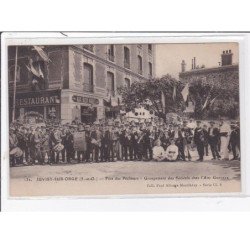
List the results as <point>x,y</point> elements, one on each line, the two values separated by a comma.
<point>145,118</point>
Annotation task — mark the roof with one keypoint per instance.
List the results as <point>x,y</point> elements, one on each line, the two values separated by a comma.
<point>209,70</point>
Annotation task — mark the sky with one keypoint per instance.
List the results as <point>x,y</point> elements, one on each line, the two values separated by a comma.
<point>169,56</point>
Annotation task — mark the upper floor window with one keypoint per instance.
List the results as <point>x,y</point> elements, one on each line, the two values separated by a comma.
<point>150,48</point>
<point>150,69</point>
<point>89,47</point>
<point>12,73</point>
<point>127,82</point>
<point>88,84</point>
<point>126,58</point>
<point>111,52</point>
<point>111,83</point>
<point>139,65</point>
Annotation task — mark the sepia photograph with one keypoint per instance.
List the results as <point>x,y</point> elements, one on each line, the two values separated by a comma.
<point>124,119</point>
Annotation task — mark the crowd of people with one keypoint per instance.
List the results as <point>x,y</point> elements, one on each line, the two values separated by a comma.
<point>114,140</point>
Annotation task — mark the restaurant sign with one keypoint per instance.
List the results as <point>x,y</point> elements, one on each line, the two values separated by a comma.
<point>86,100</point>
<point>38,99</point>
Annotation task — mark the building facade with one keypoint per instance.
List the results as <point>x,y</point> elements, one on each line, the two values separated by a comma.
<point>226,73</point>
<point>77,82</point>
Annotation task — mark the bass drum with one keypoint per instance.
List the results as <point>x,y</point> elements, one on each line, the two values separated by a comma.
<point>16,152</point>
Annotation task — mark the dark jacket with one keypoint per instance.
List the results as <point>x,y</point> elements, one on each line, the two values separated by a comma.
<point>214,138</point>
<point>199,136</point>
<point>69,141</point>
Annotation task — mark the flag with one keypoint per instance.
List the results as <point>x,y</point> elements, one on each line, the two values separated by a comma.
<point>163,101</point>
<point>205,104</point>
<point>174,92</point>
<point>185,92</point>
<point>42,54</point>
<point>212,102</point>
<point>33,70</point>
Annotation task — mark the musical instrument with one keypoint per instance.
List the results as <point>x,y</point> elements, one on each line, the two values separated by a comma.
<point>58,147</point>
<point>141,137</point>
<point>16,152</point>
<point>95,142</point>
<point>41,142</point>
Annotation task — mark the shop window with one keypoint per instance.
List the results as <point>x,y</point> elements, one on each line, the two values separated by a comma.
<point>111,52</point>
<point>111,83</point>
<point>126,58</point>
<point>139,58</point>
<point>88,84</point>
<point>127,82</point>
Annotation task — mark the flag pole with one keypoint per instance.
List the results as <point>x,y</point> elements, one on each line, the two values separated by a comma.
<point>14,88</point>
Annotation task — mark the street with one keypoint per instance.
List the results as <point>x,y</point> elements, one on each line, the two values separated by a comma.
<point>118,178</point>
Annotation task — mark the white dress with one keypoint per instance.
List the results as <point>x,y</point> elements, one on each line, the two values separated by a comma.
<point>172,152</point>
<point>158,153</point>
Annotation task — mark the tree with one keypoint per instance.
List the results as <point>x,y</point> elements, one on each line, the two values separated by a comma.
<point>149,95</point>
<point>214,100</point>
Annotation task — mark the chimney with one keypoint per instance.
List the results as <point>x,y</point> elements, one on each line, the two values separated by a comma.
<point>194,63</point>
<point>183,66</point>
<point>226,58</point>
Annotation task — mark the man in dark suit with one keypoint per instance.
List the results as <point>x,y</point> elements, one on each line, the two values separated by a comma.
<point>88,143</point>
<point>188,137</point>
<point>234,141</point>
<point>124,142</point>
<point>213,140</point>
<point>69,144</point>
<point>147,144</point>
<point>176,134</point>
<point>199,140</point>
